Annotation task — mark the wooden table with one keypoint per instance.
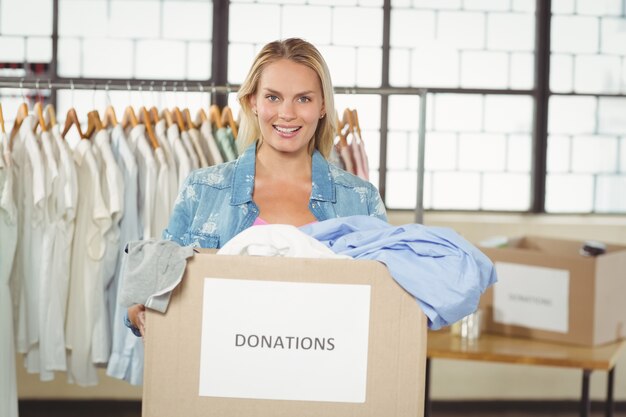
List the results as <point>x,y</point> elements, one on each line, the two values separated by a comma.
<point>494,348</point>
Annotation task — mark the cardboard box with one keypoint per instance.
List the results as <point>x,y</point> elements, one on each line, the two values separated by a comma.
<point>547,290</point>
<point>282,337</point>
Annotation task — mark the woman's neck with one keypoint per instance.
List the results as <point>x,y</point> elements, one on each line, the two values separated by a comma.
<point>270,163</point>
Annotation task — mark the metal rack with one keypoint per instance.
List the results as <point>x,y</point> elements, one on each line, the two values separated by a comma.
<point>203,87</point>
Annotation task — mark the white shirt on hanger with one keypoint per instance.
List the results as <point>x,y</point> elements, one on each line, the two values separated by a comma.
<point>30,195</point>
<point>65,196</point>
<point>92,222</point>
<point>194,134</point>
<point>162,198</point>
<point>186,139</point>
<point>8,244</point>
<point>147,177</point>
<point>183,162</point>
<point>213,149</point>
<point>41,357</point>
<point>160,133</point>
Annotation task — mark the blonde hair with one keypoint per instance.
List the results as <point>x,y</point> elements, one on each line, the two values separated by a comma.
<point>301,52</point>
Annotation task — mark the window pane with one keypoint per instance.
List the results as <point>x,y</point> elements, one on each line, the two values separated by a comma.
<point>172,39</point>
<point>26,17</point>
<point>505,192</point>
<point>569,193</point>
<point>187,20</point>
<point>488,44</point>
<point>610,195</point>
<point>593,154</point>
<point>584,155</point>
<point>72,20</point>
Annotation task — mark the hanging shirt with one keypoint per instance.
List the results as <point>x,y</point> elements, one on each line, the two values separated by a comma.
<point>112,186</point>
<point>224,142</point>
<point>31,200</point>
<point>445,273</point>
<point>147,177</point>
<point>193,157</point>
<point>357,147</point>
<point>346,158</point>
<point>162,198</point>
<point>183,162</point>
<point>126,360</point>
<point>194,134</point>
<point>8,244</point>
<point>161,135</point>
<point>65,196</point>
<point>210,145</point>
<point>92,222</point>
<point>42,356</point>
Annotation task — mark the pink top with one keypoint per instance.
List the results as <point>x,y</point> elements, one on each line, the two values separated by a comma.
<point>259,222</point>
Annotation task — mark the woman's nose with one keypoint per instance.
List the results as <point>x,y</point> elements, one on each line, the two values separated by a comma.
<point>286,111</point>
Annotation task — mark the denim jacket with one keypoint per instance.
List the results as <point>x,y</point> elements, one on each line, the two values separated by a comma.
<point>215,203</point>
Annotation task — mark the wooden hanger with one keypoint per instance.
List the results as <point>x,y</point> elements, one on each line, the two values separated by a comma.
<point>215,116</point>
<point>2,119</point>
<point>178,116</point>
<point>93,123</point>
<point>228,119</point>
<point>190,123</point>
<point>22,113</point>
<point>355,119</point>
<point>154,112</point>
<point>347,120</point>
<point>129,117</point>
<point>201,116</point>
<point>40,121</point>
<point>167,115</point>
<point>145,116</point>
<point>52,117</point>
<point>110,118</point>
<point>72,120</point>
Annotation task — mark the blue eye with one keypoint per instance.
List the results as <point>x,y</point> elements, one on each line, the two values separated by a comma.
<point>272,98</point>
<point>304,99</point>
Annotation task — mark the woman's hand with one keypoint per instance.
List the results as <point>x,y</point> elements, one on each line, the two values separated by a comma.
<point>137,316</point>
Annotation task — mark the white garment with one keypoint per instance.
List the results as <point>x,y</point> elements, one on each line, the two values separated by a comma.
<point>112,185</point>
<point>194,134</point>
<point>30,197</point>
<point>88,249</point>
<point>161,135</point>
<point>65,195</point>
<point>162,198</point>
<point>41,357</point>
<point>277,240</point>
<point>147,177</point>
<point>126,361</point>
<point>211,143</point>
<point>186,139</point>
<point>8,243</point>
<point>183,162</point>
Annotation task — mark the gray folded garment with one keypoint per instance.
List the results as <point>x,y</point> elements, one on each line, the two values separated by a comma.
<point>152,269</point>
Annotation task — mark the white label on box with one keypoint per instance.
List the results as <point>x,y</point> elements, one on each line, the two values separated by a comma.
<point>284,340</point>
<point>531,296</point>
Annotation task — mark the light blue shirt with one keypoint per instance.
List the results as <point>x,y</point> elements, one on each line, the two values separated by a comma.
<point>126,360</point>
<point>445,273</point>
<point>215,203</point>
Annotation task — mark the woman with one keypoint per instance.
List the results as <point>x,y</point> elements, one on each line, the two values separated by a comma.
<point>287,130</point>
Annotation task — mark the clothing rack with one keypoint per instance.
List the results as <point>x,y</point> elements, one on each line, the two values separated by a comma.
<point>203,87</point>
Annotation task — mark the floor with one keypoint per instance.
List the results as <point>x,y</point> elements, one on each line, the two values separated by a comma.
<point>133,409</point>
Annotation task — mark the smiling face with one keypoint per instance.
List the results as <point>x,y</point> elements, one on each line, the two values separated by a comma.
<point>289,104</point>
